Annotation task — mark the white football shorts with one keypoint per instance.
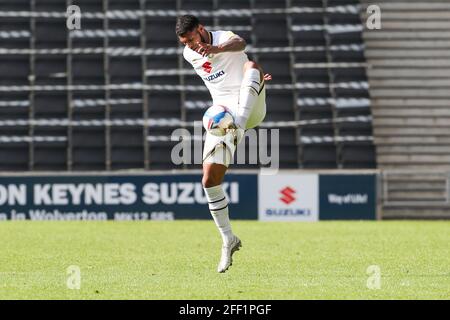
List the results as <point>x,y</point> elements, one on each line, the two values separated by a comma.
<point>220,150</point>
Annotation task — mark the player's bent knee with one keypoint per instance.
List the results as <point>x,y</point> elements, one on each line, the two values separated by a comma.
<point>251,65</point>
<point>209,181</point>
<point>213,175</point>
<point>212,179</point>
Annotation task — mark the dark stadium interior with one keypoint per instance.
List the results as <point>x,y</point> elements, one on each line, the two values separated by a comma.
<point>67,93</point>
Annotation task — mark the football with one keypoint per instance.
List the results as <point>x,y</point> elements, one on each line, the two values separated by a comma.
<point>217,119</point>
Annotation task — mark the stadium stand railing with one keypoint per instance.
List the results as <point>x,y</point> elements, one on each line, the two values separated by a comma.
<point>108,96</point>
<point>409,76</point>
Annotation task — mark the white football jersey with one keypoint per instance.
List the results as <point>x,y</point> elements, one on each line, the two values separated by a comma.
<point>222,73</point>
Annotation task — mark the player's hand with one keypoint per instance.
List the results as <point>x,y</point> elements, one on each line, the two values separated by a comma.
<point>267,77</point>
<point>205,49</point>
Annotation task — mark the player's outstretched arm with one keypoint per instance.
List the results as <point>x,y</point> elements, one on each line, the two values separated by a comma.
<point>234,44</point>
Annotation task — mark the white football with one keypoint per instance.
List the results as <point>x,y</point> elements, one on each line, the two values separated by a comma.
<point>217,119</point>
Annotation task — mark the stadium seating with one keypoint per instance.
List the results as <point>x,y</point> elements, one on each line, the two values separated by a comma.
<point>409,77</point>
<point>108,96</point>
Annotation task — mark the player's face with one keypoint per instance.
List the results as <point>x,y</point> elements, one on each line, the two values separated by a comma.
<point>191,38</point>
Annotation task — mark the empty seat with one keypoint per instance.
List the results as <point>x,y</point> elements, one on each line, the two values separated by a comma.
<point>124,4</point>
<point>88,105</point>
<point>160,154</point>
<point>359,155</point>
<point>125,69</point>
<point>161,4</point>
<point>50,156</point>
<point>14,105</point>
<point>279,106</point>
<point>45,27</point>
<point>321,155</point>
<point>124,33</point>
<point>277,64</point>
<point>125,105</point>
<point>271,31</point>
<point>160,32</point>
<point>88,69</point>
<point>10,5</point>
<point>127,147</point>
<point>234,4</point>
<point>14,156</point>
<point>164,105</point>
<point>89,146</point>
<point>14,70</point>
<point>197,5</point>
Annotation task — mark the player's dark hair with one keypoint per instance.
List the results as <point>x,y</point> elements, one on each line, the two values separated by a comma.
<point>186,24</point>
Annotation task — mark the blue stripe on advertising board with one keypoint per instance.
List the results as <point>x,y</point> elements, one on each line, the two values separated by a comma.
<point>118,197</point>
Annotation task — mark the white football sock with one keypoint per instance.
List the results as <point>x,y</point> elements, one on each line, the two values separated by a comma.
<point>218,205</point>
<point>248,95</point>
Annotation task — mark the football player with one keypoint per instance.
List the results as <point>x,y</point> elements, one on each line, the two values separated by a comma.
<point>233,81</point>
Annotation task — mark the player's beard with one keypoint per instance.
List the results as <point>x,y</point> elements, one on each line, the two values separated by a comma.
<point>201,37</point>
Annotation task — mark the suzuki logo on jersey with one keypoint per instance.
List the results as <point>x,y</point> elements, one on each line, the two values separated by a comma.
<point>207,67</point>
<point>287,195</point>
<point>184,193</point>
<point>214,76</point>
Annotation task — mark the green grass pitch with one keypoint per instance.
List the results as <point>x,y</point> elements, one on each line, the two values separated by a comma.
<point>178,260</point>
